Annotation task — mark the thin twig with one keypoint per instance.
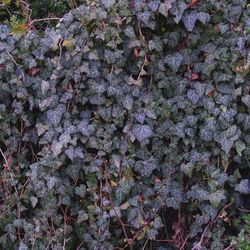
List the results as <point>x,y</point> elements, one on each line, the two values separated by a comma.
<point>230,247</point>
<point>47,19</point>
<point>151,79</point>
<point>128,241</point>
<point>5,159</point>
<point>198,246</point>
<point>243,210</point>
<point>80,245</point>
<point>12,58</point>
<point>146,242</point>
<point>27,6</point>
<point>169,241</point>
<point>60,53</point>
<point>7,9</point>
<point>142,68</point>
<point>184,243</point>
<point>64,227</point>
<point>123,157</point>
<point>8,168</point>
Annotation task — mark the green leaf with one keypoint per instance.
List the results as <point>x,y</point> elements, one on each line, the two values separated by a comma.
<point>73,172</point>
<point>81,190</point>
<point>34,201</point>
<point>227,138</point>
<point>240,146</point>
<point>216,198</point>
<point>82,216</point>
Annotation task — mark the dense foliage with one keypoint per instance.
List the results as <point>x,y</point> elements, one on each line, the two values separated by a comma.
<point>127,127</point>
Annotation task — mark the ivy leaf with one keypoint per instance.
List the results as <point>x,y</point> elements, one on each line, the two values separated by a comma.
<point>45,87</point>
<point>142,132</point>
<point>154,4</point>
<point>129,32</point>
<point>243,187</point>
<point>115,212</point>
<point>98,87</point>
<point>127,102</point>
<point>22,246</point>
<point>246,123</point>
<point>54,117</point>
<point>51,182</point>
<point>198,193</point>
<point>189,21</point>
<point>203,17</point>
<point>73,172</point>
<point>149,113</point>
<point>138,4</point>
<point>172,202</point>
<point>187,168</point>
<point>226,143</point>
<point>34,201</point>
<point>78,153</point>
<point>81,190</point>
<point>57,148</point>
<point>227,138</point>
<point>82,216</point>
<point>108,3</point>
<point>191,120</point>
<point>145,168</point>
<point>114,90</point>
<point>165,7</point>
<point>174,61</point>
<point>178,9</point>
<point>179,130</point>
<point>70,153</point>
<point>210,210</point>
<point>140,117</point>
<point>193,96</point>
<point>41,128</point>
<point>246,100</point>
<point>216,197</point>
<point>83,128</point>
<point>152,234</point>
<point>144,17</point>
<point>206,134</point>
<point>200,89</point>
<point>240,146</point>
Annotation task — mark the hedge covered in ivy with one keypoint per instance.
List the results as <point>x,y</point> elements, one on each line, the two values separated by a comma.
<point>127,127</point>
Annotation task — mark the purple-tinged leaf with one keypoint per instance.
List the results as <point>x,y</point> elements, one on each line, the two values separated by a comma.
<point>140,117</point>
<point>243,187</point>
<point>189,21</point>
<point>83,128</point>
<point>193,96</point>
<point>127,102</point>
<point>178,9</point>
<point>142,132</point>
<point>165,7</point>
<point>203,17</point>
<point>174,61</point>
